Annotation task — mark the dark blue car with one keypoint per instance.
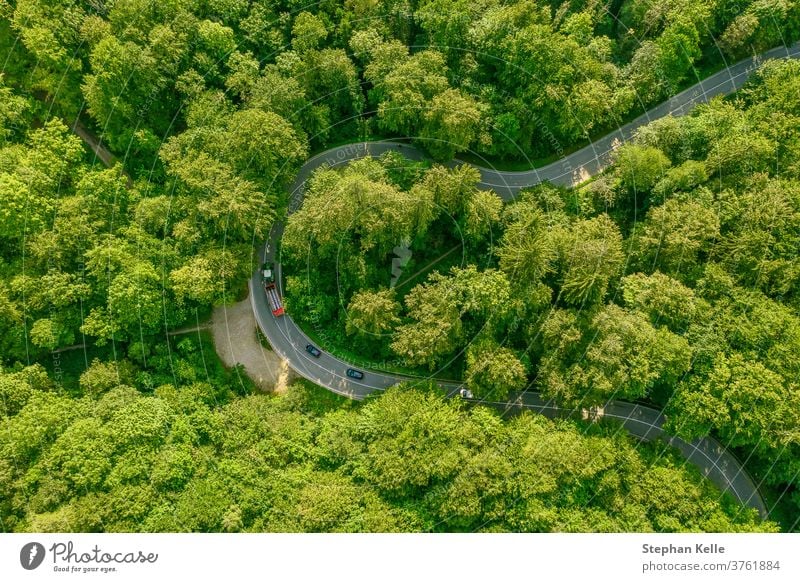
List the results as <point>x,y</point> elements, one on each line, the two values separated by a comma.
<point>355,374</point>
<point>313,351</point>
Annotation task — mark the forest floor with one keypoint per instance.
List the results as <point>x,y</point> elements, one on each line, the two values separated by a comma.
<point>236,342</point>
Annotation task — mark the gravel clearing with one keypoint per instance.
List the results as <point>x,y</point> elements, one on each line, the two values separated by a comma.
<point>236,342</point>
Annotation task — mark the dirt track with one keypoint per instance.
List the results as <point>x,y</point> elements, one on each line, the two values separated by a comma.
<point>236,342</point>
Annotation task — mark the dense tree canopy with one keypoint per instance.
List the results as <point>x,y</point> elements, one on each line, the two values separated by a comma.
<point>519,78</point>
<point>671,278</point>
<point>180,459</point>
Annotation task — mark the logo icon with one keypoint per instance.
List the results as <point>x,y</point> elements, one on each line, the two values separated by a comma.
<point>31,555</point>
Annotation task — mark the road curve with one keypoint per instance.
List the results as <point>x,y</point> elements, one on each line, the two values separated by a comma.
<point>287,339</point>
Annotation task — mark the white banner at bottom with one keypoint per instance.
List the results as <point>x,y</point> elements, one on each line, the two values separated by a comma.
<point>389,557</point>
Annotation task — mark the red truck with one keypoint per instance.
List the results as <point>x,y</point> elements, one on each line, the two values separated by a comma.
<point>274,298</point>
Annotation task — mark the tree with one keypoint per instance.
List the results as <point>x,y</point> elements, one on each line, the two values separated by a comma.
<point>308,31</point>
<point>645,71</point>
<point>215,41</point>
<point>212,106</point>
<point>51,36</point>
<point>409,88</point>
<point>244,73</point>
<point>263,146</point>
<point>493,371</point>
<point>390,461</point>
<point>639,168</point>
<point>590,104</point>
<point>285,96</point>
<point>44,416</point>
<point>331,80</point>
<point>447,24</point>
<point>16,388</point>
<point>79,460</point>
<point>676,236</point>
<point>15,195</point>
<point>372,314</point>
<point>446,310</point>
<point>738,32</point>
<point>684,178</point>
<point>526,250</point>
<point>181,460</point>
<point>195,281</point>
<point>234,185</point>
<point>620,355</point>
<point>46,334</point>
<point>665,300</point>
<point>744,321</point>
<point>12,340</point>
<point>101,377</point>
<point>34,177</point>
<point>382,58</point>
<point>451,188</point>
<point>13,113</point>
<point>590,255</point>
<point>483,211</point>
<point>437,330</point>
<point>452,123</point>
<point>739,153</point>
<point>773,89</point>
<point>53,302</point>
<point>745,402</point>
<point>130,89</point>
<point>759,230</point>
<point>680,47</point>
<point>352,213</point>
<point>135,300</point>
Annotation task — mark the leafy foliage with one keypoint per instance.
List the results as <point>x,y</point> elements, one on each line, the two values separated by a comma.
<point>672,277</point>
<point>177,460</point>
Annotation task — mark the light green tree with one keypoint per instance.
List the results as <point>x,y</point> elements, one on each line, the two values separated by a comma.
<point>372,314</point>
<point>589,255</point>
<point>493,371</point>
<point>308,31</point>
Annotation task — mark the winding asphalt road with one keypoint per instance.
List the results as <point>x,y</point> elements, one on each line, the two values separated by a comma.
<point>328,371</point>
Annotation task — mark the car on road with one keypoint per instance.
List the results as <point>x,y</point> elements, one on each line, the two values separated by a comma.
<point>351,373</point>
<point>313,350</point>
<point>464,393</point>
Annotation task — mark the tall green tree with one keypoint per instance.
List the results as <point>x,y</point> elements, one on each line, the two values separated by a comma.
<point>619,355</point>
<point>372,316</point>
<point>493,371</point>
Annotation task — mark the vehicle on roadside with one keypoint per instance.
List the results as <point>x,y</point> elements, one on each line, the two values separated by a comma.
<point>464,393</point>
<point>313,350</point>
<point>351,373</point>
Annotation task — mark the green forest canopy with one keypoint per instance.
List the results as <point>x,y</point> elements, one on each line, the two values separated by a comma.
<point>183,459</point>
<point>514,78</point>
<point>671,278</point>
